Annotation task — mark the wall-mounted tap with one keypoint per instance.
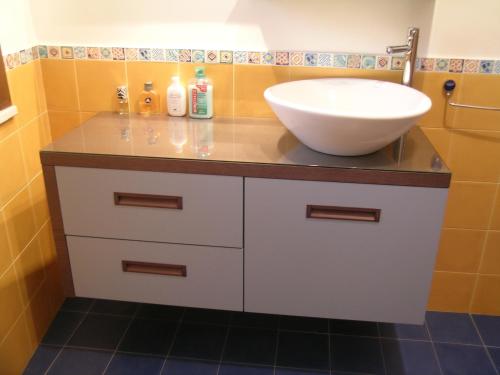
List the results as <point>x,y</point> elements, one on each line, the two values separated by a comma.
<point>410,51</point>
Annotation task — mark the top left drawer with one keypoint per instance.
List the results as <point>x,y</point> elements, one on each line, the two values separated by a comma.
<point>152,206</point>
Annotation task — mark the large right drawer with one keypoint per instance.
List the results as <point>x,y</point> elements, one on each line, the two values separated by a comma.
<point>152,206</point>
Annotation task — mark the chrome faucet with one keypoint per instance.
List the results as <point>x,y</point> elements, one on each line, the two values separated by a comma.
<point>410,51</point>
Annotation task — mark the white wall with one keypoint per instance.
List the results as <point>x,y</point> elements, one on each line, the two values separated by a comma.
<point>16,26</point>
<point>466,28</point>
<point>331,25</point>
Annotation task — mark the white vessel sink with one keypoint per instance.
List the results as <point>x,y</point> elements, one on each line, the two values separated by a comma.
<point>347,116</point>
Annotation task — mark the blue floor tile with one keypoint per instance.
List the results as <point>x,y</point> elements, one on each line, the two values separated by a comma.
<point>207,316</point>
<point>356,354</point>
<point>80,362</point>
<point>298,323</point>
<point>495,356</point>
<point>104,306</point>
<point>409,358</point>
<point>489,328</point>
<point>189,367</point>
<point>452,328</point>
<point>77,304</point>
<point>250,345</point>
<point>134,364</point>
<point>230,369</point>
<point>303,350</point>
<point>199,341</point>
<point>100,332</point>
<point>289,371</point>
<point>172,313</point>
<point>464,360</point>
<point>62,327</point>
<point>41,360</point>
<point>403,331</point>
<point>353,328</point>
<point>244,319</point>
<point>149,336</point>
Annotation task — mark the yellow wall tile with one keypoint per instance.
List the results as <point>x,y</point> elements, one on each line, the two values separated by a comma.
<point>47,246</point>
<point>7,128</point>
<point>222,79</point>
<point>491,258</point>
<point>475,156</point>
<point>40,88</point>
<point>469,205</point>
<point>23,92</point>
<point>97,83</point>
<point>30,270</point>
<point>487,295</point>
<point>440,139</point>
<point>5,254</point>
<point>20,221</point>
<point>11,305</point>
<point>299,72</point>
<point>62,122</point>
<point>59,80</point>
<point>139,72</point>
<point>495,218</point>
<point>250,82</point>
<point>11,165</point>
<point>39,314</point>
<point>460,250</point>
<point>16,350</point>
<point>451,291</point>
<point>431,84</point>
<point>39,199</point>
<point>478,89</point>
<point>33,137</point>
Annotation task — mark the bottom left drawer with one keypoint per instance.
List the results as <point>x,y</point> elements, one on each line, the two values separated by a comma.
<point>183,275</point>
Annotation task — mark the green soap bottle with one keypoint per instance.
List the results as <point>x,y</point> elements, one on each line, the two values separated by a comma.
<point>200,92</point>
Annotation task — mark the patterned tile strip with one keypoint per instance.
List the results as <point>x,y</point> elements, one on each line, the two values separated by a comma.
<point>277,58</point>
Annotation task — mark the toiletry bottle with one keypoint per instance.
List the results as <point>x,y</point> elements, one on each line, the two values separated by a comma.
<point>176,98</point>
<point>149,102</point>
<point>122,98</point>
<point>200,93</point>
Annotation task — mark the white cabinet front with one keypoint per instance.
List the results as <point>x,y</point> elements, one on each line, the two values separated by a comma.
<point>340,250</point>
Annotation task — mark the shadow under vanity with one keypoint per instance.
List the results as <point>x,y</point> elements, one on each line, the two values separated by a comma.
<point>236,214</point>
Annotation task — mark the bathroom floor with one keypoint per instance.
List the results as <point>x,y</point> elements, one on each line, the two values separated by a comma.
<point>99,336</point>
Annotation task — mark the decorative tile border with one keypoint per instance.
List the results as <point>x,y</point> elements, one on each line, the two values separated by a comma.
<point>276,58</point>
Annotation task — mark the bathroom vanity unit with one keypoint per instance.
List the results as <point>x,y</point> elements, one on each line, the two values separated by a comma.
<point>236,214</point>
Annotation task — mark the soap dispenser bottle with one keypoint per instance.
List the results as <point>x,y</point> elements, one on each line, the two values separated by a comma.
<point>149,102</point>
<point>200,91</point>
<point>176,98</point>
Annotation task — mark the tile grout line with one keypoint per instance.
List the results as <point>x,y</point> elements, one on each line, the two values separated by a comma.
<point>434,351</point>
<point>275,362</point>
<point>70,337</point>
<point>482,342</point>
<point>228,328</point>
<point>132,319</point>
<point>381,349</point>
<point>179,323</point>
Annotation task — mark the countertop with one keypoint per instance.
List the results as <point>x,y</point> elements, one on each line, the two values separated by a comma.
<point>236,146</point>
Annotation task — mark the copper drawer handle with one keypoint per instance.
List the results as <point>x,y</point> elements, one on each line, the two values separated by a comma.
<point>148,200</point>
<point>343,213</point>
<point>154,268</point>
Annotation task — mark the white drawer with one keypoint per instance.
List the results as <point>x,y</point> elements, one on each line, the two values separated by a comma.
<point>152,206</point>
<point>154,273</point>
<point>327,266</point>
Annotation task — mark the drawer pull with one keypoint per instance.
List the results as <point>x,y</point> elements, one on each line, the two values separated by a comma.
<point>148,200</point>
<point>154,268</point>
<point>343,213</point>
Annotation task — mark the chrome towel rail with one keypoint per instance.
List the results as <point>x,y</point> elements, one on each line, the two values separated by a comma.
<point>450,85</point>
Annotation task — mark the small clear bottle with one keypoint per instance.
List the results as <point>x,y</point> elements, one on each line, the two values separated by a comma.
<point>149,100</point>
<point>122,98</point>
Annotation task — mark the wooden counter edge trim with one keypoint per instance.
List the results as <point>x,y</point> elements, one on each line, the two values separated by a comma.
<point>229,168</point>
<point>49,175</point>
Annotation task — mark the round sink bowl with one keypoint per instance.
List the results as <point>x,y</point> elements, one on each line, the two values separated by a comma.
<point>347,116</point>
